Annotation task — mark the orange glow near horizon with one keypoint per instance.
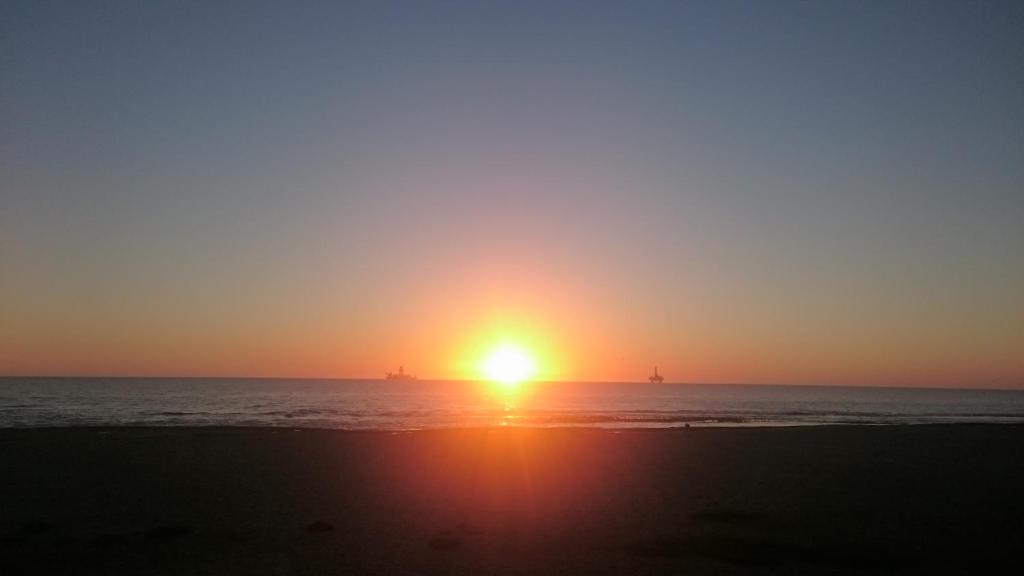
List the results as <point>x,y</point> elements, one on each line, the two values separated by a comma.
<point>568,329</point>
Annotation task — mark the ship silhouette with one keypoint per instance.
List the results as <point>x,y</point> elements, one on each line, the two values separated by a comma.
<point>400,375</point>
<point>656,378</point>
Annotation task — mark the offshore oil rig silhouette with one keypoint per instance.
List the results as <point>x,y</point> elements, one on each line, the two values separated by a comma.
<point>400,375</point>
<point>656,378</point>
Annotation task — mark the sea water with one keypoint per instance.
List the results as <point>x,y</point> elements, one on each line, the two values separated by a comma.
<point>400,405</point>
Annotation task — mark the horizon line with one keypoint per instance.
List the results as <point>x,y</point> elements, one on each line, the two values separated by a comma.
<point>1016,388</point>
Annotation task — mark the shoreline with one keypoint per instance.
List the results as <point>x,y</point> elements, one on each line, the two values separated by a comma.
<point>612,429</point>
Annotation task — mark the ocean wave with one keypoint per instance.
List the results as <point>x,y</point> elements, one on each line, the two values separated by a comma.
<point>369,405</point>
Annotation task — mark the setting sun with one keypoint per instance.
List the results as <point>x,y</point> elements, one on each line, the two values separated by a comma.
<point>508,364</point>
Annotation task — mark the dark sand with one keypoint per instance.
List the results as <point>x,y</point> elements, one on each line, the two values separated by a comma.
<point>856,500</point>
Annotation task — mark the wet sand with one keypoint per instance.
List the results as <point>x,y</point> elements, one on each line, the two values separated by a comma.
<point>838,500</point>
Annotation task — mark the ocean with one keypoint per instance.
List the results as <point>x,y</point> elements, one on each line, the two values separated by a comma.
<point>406,405</point>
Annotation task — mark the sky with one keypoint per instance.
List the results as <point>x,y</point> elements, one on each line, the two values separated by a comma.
<point>762,192</point>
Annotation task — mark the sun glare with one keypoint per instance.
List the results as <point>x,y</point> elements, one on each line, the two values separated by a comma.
<point>508,365</point>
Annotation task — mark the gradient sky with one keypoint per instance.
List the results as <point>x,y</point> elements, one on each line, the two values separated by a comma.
<point>819,192</point>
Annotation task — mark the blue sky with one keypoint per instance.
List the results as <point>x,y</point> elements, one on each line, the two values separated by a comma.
<point>809,191</point>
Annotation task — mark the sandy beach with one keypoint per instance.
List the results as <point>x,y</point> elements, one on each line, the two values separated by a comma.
<point>511,501</point>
